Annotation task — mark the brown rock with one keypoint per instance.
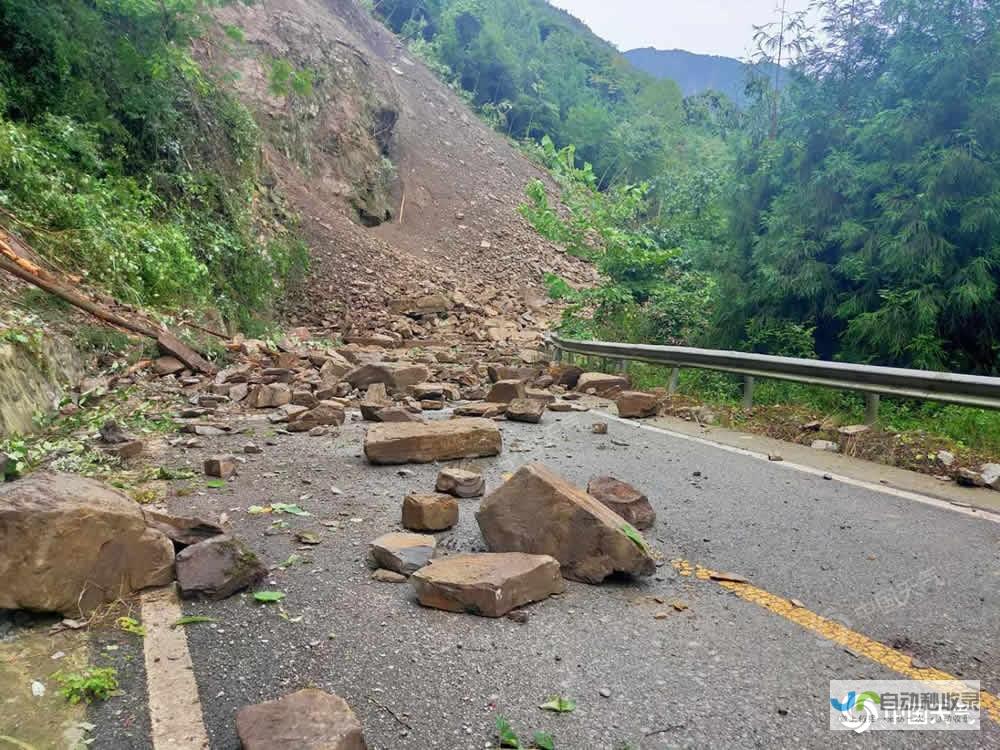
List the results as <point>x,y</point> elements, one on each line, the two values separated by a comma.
<point>538,394</point>
<point>416,307</point>
<point>623,499</point>
<point>327,413</point>
<point>429,512</point>
<point>561,406</point>
<point>217,568</point>
<point>497,373</point>
<point>505,391</point>
<point>304,398</point>
<point>396,376</point>
<point>569,376</point>
<point>388,576</point>
<point>222,467</point>
<point>70,545</point>
<point>601,383</point>
<point>637,405</point>
<point>269,396</point>
<point>539,512</point>
<point>310,719</point>
<point>181,529</point>
<point>490,585</point>
<point>599,428</point>
<point>435,392</point>
<point>125,451</point>
<point>460,482</point>
<point>482,409</point>
<point>402,553</point>
<point>432,441</point>
<point>167,366</point>
<point>525,410</point>
<point>334,368</point>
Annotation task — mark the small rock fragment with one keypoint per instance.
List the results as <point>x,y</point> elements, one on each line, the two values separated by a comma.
<point>460,482</point>
<point>429,512</point>
<point>222,467</point>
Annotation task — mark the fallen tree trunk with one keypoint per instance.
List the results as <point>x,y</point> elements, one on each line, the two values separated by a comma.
<point>15,265</point>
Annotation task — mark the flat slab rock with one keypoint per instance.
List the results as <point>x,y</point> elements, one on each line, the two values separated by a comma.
<point>623,499</point>
<point>489,584</point>
<point>601,383</point>
<point>307,720</point>
<point>402,553</point>
<point>70,544</point>
<point>402,443</point>
<point>526,410</point>
<point>538,512</point>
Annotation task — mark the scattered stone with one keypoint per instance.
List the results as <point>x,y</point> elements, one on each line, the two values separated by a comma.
<point>183,530</point>
<point>310,719</point>
<point>125,451</point>
<point>269,396</point>
<point>599,428</point>
<point>637,405</point>
<point>70,545</point>
<point>167,366</point>
<point>326,414</point>
<point>825,445</point>
<point>489,585</point>
<point>217,568</point>
<point>623,499</point>
<point>429,512</point>
<point>776,457</point>
<point>854,430</point>
<point>970,478</point>
<point>813,426</point>
<point>252,449</point>
<point>526,410</point>
<point>945,458</point>
<point>432,441</point>
<point>537,394</point>
<point>602,384</point>
<point>505,391</point>
<point>729,577</point>
<point>402,553</point>
<point>569,377</point>
<point>388,576</point>
<point>396,414</point>
<point>483,409</point>
<point>460,482</point>
<point>113,434</point>
<point>497,373</point>
<point>396,376</point>
<point>222,467</point>
<point>604,693</point>
<point>539,512</point>
<point>561,406</point>
<point>991,475</point>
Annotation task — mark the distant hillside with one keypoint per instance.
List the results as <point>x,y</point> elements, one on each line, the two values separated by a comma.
<point>695,73</point>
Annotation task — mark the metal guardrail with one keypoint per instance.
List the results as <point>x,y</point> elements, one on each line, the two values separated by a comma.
<point>967,390</point>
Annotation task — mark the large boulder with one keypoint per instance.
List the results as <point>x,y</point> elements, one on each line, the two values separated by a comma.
<point>490,585</point>
<point>602,384</point>
<point>269,396</point>
<point>310,719</point>
<point>623,499</point>
<point>526,410</point>
<point>70,545</point>
<point>325,414</point>
<point>539,512</point>
<point>637,405</point>
<point>505,391</point>
<point>217,568</point>
<point>423,442</point>
<point>395,375</point>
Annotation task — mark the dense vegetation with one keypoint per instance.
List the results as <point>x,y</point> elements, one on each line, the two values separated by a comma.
<point>121,160</point>
<point>854,215</point>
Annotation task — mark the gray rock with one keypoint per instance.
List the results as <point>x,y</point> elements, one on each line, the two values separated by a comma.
<point>217,568</point>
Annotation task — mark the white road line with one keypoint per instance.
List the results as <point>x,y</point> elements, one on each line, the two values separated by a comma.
<point>174,708</point>
<point>904,494</point>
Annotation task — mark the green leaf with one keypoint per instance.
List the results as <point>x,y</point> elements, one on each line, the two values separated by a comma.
<point>131,625</point>
<point>637,539</point>
<point>268,597</point>
<point>192,620</point>
<point>559,705</point>
<point>294,510</point>
<point>506,733</point>
<point>215,484</point>
<point>257,510</point>
<point>543,741</point>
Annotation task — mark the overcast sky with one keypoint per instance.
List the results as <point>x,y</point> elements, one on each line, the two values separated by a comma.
<point>717,27</point>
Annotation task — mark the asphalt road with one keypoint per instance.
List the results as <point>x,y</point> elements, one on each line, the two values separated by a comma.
<point>722,673</point>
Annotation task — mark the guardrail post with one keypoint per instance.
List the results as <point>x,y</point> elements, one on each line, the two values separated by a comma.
<point>621,365</point>
<point>872,401</point>
<point>675,375</point>
<point>557,355</point>
<point>748,384</point>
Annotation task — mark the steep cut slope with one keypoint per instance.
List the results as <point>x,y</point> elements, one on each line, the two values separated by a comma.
<point>401,189</point>
<point>696,74</point>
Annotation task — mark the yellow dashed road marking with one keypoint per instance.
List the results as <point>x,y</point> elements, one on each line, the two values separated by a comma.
<point>833,631</point>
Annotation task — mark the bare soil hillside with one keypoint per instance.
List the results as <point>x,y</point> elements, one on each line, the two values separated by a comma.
<point>401,189</point>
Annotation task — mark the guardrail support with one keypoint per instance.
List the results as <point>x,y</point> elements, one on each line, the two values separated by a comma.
<point>872,401</point>
<point>748,384</point>
<point>675,375</point>
<point>621,365</point>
